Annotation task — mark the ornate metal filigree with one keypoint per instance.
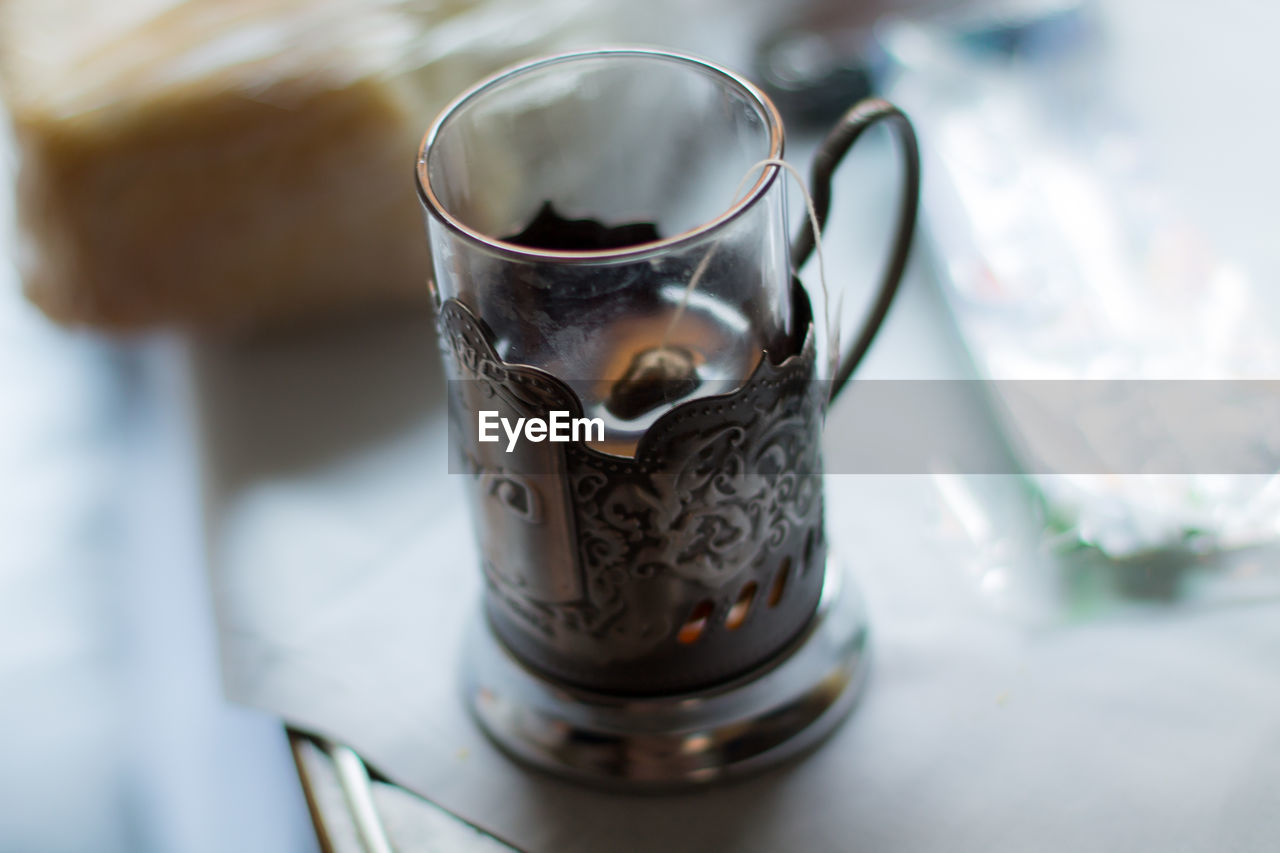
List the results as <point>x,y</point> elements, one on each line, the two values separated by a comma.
<point>600,568</point>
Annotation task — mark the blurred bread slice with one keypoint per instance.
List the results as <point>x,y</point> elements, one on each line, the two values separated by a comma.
<point>221,163</point>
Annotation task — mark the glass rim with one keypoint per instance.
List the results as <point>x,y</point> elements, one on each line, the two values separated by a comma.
<point>768,174</point>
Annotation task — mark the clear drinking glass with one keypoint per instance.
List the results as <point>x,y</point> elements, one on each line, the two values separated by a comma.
<point>666,146</point>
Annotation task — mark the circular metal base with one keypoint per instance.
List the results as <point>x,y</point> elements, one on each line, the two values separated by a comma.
<point>766,716</point>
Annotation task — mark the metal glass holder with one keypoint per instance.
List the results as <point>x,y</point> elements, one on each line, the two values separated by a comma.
<point>667,619</point>
<point>778,711</point>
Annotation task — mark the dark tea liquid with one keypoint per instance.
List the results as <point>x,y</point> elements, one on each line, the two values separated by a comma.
<point>615,328</point>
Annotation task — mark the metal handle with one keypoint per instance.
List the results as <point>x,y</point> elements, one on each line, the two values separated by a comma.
<point>830,154</point>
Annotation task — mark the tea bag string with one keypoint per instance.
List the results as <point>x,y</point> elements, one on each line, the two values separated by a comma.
<point>833,329</point>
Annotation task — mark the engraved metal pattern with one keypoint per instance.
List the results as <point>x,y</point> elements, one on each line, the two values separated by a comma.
<point>519,500</point>
<point>595,564</point>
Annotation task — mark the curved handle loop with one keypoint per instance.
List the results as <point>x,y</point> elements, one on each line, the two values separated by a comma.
<point>830,154</point>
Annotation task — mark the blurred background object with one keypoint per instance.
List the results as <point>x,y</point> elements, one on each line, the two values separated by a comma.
<point>816,58</point>
<point>1068,255</point>
<point>233,163</point>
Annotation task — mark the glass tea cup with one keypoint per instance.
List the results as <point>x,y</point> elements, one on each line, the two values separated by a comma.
<point>664,146</point>
<point>609,234</point>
